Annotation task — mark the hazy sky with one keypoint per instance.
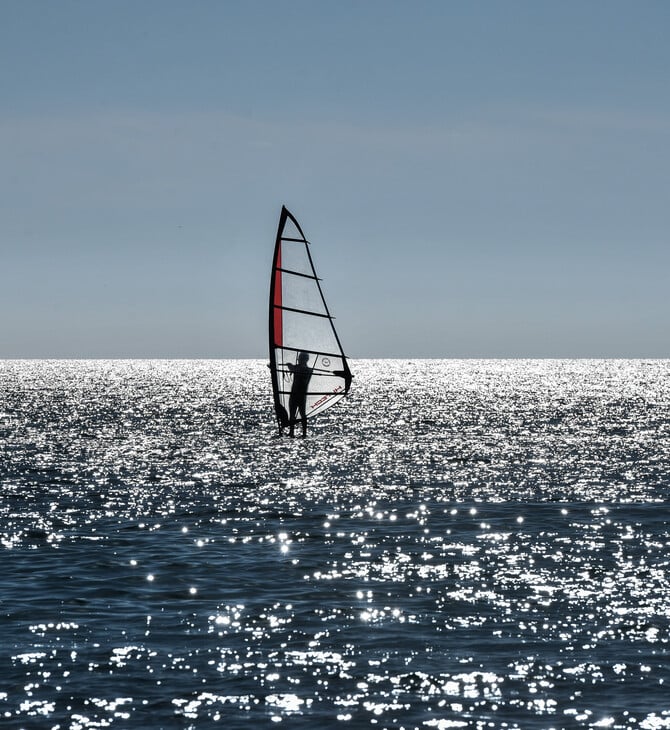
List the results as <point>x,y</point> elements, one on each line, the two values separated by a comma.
<point>477,178</point>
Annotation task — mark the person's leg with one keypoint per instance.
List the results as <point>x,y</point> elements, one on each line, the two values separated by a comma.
<point>303,418</point>
<point>293,408</point>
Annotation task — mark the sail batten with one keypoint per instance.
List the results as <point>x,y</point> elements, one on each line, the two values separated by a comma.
<point>297,273</point>
<point>325,354</point>
<point>304,311</point>
<point>304,345</point>
<point>297,240</point>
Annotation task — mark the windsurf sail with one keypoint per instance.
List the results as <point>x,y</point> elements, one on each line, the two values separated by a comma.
<point>302,333</point>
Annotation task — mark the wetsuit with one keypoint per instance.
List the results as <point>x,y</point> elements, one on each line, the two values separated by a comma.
<point>297,402</point>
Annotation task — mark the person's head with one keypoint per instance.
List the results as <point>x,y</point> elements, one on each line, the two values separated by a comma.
<point>303,357</point>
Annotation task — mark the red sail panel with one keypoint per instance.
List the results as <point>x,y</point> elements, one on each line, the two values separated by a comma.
<point>278,330</point>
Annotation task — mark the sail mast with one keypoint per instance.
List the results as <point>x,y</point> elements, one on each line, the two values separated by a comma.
<point>275,324</point>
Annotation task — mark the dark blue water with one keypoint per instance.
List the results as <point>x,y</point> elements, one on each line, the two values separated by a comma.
<point>476,544</point>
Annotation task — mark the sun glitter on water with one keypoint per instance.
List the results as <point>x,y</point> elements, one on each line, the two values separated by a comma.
<point>457,543</point>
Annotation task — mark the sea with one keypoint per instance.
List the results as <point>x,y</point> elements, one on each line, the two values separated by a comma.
<point>457,544</point>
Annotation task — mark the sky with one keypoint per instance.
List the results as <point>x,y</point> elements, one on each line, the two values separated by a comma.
<point>477,179</point>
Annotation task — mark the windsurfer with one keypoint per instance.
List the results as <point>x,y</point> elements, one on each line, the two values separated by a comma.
<point>298,399</point>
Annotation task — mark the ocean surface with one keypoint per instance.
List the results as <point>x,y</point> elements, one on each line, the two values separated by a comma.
<point>459,544</point>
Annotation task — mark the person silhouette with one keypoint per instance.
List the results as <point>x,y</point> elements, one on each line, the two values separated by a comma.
<point>297,402</point>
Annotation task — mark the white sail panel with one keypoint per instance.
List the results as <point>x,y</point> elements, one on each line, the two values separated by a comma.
<point>309,333</point>
<point>294,258</point>
<point>300,293</point>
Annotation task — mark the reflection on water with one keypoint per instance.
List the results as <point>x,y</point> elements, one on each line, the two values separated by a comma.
<point>459,544</point>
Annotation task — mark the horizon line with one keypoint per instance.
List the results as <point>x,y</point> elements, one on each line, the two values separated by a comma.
<point>66,358</point>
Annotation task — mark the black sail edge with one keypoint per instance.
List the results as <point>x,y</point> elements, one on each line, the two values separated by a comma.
<point>280,411</point>
<point>348,375</point>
